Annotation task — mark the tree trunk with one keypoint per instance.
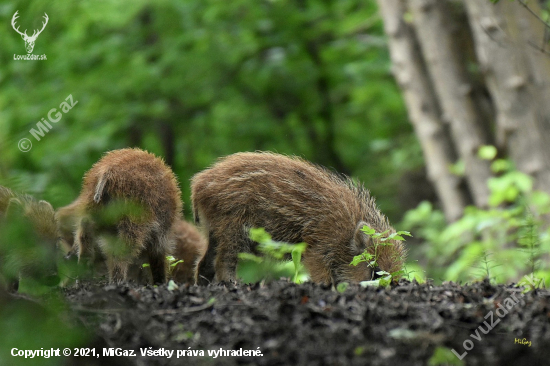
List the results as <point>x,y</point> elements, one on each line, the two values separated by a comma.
<point>433,24</point>
<point>510,67</point>
<point>423,108</point>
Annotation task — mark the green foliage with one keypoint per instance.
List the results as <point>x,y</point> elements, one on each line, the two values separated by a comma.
<point>118,210</point>
<point>443,356</point>
<point>413,271</point>
<point>271,265</point>
<point>172,262</point>
<point>531,282</point>
<point>458,168</point>
<point>379,240</point>
<point>30,256</point>
<point>26,253</point>
<point>487,152</point>
<point>342,287</point>
<point>195,80</point>
<point>35,326</point>
<point>501,242</point>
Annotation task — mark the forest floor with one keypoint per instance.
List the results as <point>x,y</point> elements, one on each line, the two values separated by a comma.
<point>282,323</point>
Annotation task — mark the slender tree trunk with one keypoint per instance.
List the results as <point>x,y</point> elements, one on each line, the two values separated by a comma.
<point>532,35</point>
<point>433,24</point>
<point>507,60</point>
<point>423,108</point>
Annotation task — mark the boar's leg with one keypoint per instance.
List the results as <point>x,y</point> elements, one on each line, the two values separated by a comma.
<point>84,241</point>
<point>156,251</point>
<point>118,270</point>
<point>230,244</point>
<point>226,265</point>
<point>205,271</point>
<point>315,261</point>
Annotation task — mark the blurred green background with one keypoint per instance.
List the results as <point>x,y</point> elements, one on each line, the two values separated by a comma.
<point>195,80</point>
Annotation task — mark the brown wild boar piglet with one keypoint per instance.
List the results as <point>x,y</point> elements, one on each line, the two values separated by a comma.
<point>190,247</point>
<point>295,201</point>
<point>129,201</point>
<point>28,239</point>
<point>67,219</point>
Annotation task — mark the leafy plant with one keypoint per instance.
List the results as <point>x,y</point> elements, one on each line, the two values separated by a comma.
<point>505,240</point>
<point>173,262</point>
<point>444,356</point>
<point>379,240</point>
<point>530,282</point>
<point>342,287</point>
<point>486,265</point>
<point>272,264</point>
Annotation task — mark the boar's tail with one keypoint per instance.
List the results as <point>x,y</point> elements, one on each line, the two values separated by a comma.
<point>100,186</point>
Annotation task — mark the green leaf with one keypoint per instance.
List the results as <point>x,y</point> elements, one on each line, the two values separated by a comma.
<point>297,260</point>
<point>342,287</point>
<point>384,281</point>
<point>501,166</point>
<point>363,257</point>
<point>250,257</point>
<point>367,230</point>
<point>259,235</point>
<point>458,168</point>
<point>443,356</point>
<point>487,152</point>
<point>176,263</point>
<point>145,265</point>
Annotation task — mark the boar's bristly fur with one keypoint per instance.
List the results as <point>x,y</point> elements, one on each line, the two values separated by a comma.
<point>189,246</point>
<point>67,218</point>
<point>129,201</point>
<point>295,201</point>
<point>28,239</point>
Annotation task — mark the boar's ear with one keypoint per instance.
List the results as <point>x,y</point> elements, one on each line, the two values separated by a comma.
<point>15,208</point>
<point>5,196</point>
<point>361,241</point>
<point>46,206</point>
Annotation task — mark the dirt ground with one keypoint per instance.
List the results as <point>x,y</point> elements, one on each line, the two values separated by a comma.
<point>288,324</point>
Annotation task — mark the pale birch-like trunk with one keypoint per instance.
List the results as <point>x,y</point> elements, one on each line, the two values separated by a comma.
<point>423,108</point>
<point>517,77</point>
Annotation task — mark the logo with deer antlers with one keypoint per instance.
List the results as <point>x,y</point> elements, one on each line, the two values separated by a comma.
<point>29,41</point>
